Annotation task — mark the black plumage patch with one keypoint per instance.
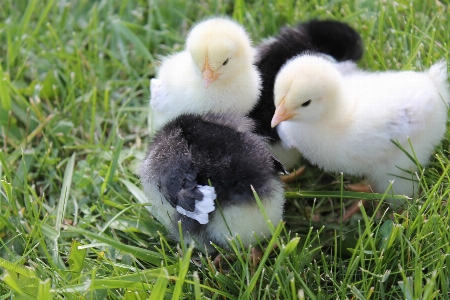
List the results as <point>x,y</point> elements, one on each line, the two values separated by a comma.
<point>179,183</point>
<point>335,39</point>
<point>279,166</point>
<point>329,37</point>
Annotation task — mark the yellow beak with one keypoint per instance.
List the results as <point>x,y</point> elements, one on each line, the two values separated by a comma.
<point>208,75</point>
<point>281,114</point>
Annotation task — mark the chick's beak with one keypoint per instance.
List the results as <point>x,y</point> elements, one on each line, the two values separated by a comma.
<point>208,75</point>
<point>281,114</point>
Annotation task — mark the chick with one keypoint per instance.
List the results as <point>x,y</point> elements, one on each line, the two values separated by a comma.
<point>214,73</point>
<point>199,170</point>
<point>336,39</point>
<point>349,123</point>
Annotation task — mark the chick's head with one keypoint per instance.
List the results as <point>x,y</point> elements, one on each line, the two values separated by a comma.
<point>307,89</point>
<point>219,48</point>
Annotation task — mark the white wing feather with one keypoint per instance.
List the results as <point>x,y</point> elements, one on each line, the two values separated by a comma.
<point>203,207</point>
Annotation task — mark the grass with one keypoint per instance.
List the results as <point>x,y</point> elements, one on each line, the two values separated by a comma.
<point>73,108</point>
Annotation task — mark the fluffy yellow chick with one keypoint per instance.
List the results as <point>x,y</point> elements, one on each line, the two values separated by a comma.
<point>215,73</point>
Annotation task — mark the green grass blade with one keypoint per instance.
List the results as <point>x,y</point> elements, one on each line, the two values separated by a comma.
<point>113,166</point>
<point>5,98</point>
<point>255,277</point>
<point>125,32</point>
<point>339,194</point>
<point>44,290</point>
<point>184,267</point>
<point>76,259</point>
<point>160,287</point>
<point>146,255</point>
<point>63,198</point>
<point>16,268</point>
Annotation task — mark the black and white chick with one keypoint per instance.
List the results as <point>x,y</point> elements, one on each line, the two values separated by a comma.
<point>333,38</point>
<point>199,170</point>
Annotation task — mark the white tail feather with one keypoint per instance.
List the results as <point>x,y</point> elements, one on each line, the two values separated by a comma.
<point>438,74</point>
<point>202,207</point>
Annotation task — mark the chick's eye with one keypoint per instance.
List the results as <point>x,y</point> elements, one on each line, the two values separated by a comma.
<point>306,103</point>
<point>225,62</point>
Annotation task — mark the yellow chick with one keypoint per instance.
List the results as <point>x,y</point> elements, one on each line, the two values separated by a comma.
<point>214,73</point>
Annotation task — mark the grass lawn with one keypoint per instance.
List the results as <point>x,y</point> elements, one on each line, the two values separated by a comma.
<point>74,92</point>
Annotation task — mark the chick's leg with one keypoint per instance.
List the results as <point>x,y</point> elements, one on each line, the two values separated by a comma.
<point>359,187</point>
<point>293,176</point>
<point>355,207</point>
